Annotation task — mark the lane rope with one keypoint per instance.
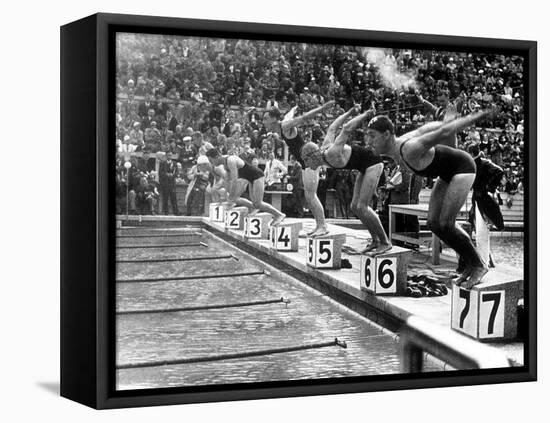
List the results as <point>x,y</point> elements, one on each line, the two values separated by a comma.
<point>188,244</point>
<point>176,259</point>
<point>193,277</point>
<point>220,357</point>
<point>160,235</point>
<point>206,307</point>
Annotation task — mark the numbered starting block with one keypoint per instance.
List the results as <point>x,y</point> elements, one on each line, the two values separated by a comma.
<point>385,274</point>
<point>284,237</point>
<point>257,226</point>
<point>234,218</point>
<point>217,212</point>
<point>325,252</point>
<point>488,311</point>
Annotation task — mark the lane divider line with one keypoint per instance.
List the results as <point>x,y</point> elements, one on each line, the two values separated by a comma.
<point>175,259</point>
<point>206,307</point>
<point>219,357</point>
<point>186,278</point>
<point>160,235</point>
<point>188,244</point>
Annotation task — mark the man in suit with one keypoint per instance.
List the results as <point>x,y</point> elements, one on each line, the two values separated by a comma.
<point>167,179</point>
<point>485,210</point>
<point>145,106</point>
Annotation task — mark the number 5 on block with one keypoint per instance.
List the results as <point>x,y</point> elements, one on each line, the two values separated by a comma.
<point>325,252</point>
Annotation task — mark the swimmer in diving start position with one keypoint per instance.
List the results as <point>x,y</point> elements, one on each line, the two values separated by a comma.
<point>335,153</point>
<point>421,152</point>
<point>237,175</point>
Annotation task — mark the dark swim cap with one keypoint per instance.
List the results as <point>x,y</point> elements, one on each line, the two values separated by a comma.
<point>381,123</point>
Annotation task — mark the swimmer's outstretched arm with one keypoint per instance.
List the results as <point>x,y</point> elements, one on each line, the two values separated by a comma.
<point>430,139</point>
<point>289,121</point>
<point>351,126</point>
<point>335,125</point>
<point>424,129</point>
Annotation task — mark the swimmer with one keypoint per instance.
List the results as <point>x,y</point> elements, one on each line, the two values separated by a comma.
<point>288,128</point>
<point>335,153</point>
<point>238,176</point>
<point>455,170</point>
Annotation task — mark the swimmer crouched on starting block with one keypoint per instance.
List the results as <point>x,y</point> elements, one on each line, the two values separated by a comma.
<point>335,153</point>
<point>239,175</point>
<point>421,152</point>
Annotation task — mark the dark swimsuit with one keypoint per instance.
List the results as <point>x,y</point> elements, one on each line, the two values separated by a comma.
<point>295,146</point>
<point>447,162</point>
<point>360,159</point>
<point>250,173</point>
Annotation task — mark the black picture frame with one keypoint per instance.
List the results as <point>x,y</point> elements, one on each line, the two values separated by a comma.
<point>87,234</point>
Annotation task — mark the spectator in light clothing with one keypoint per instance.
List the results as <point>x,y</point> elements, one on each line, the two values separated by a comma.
<point>274,170</point>
<point>136,134</point>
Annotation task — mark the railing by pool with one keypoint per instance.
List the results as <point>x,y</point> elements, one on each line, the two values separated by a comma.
<point>419,337</point>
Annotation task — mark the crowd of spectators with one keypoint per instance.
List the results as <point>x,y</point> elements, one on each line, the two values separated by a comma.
<point>178,96</point>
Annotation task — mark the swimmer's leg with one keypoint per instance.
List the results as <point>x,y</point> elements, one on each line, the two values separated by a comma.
<point>311,182</point>
<point>257,194</point>
<point>451,197</point>
<point>364,189</point>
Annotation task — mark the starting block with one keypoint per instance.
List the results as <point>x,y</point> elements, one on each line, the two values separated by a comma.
<point>234,218</point>
<point>488,311</point>
<point>217,212</point>
<point>325,252</point>
<point>284,237</point>
<point>257,226</point>
<point>385,274</point>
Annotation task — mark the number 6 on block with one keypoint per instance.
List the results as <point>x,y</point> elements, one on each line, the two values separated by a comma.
<point>379,274</point>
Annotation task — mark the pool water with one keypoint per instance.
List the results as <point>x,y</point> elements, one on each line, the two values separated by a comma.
<point>206,281</point>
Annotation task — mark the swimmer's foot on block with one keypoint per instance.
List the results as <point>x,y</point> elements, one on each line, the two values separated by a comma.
<point>372,246</point>
<point>462,277</point>
<point>323,230</point>
<point>475,277</point>
<point>278,220</point>
<point>380,249</point>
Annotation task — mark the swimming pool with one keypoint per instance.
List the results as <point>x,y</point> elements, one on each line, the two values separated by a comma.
<point>192,309</point>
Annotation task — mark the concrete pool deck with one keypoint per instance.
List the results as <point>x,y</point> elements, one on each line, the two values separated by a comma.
<point>436,310</point>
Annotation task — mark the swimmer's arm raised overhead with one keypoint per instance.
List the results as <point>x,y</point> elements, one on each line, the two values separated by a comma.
<point>434,137</point>
<point>289,121</point>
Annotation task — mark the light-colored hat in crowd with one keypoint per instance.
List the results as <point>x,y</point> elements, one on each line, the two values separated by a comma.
<point>202,160</point>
